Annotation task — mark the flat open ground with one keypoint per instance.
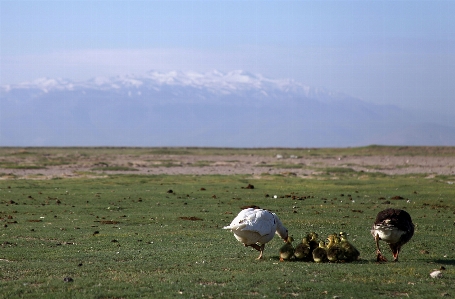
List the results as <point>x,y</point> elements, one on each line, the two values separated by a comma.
<point>42,163</point>
<point>147,222</point>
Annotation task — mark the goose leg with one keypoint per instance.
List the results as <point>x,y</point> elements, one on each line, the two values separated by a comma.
<point>395,251</point>
<point>379,256</point>
<point>258,248</point>
<point>261,249</point>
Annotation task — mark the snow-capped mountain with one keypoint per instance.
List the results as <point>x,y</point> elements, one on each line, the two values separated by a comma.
<point>237,109</point>
<point>215,82</point>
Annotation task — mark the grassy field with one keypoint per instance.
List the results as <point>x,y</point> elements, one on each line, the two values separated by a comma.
<point>160,236</point>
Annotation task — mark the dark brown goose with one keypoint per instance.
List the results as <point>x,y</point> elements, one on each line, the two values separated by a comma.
<point>394,227</point>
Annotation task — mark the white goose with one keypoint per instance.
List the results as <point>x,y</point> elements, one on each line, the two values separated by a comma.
<point>255,227</point>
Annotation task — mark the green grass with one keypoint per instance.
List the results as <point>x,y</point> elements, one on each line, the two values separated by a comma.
<point>19,166</point>
<point>127,236</point>
<point>281,165</point>
<point>114,168</point>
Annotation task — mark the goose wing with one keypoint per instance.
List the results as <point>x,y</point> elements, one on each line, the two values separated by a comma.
<point>256,220</point>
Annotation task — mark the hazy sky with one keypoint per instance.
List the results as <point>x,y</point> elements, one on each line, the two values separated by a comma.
<point>397,52</point>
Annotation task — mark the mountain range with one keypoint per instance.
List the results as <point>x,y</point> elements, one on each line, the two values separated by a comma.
<point>233,109</point>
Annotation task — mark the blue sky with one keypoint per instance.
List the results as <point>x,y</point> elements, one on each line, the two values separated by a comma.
<point>385,52</point>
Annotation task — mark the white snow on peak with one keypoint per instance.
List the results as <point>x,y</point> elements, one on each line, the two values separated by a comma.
<point>215,81</point>
<point>132,82</point>
<point>100,81</point>
<point>46,84</point>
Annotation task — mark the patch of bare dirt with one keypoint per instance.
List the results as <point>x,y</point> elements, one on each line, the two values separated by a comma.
<point>234,164</point>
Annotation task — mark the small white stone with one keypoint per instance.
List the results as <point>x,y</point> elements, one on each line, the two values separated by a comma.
<point>436,274</point>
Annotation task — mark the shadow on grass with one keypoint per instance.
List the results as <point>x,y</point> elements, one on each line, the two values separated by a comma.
<point>445,262</point>
<point>361,261</point>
